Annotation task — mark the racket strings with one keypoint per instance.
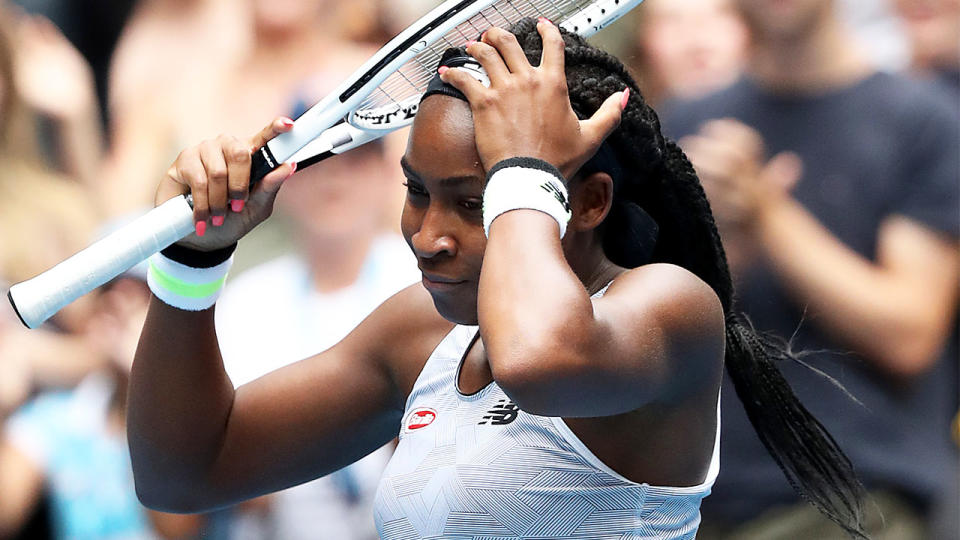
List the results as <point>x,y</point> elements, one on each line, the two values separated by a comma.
<point>411,80</point>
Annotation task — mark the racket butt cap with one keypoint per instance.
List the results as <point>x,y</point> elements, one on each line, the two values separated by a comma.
<point>15,310</point>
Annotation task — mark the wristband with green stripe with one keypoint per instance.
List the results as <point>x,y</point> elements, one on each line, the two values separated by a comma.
<point>185,287</point>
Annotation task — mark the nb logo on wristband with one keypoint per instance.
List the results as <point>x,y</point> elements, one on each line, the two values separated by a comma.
<point>559,195</point>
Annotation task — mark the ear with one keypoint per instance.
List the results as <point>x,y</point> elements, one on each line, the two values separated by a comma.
<point>590,201</point>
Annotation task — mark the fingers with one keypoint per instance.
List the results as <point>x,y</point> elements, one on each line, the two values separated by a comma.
<point>465,83</point>
<point>215,169</point>
<point>216,173</point>
<point>281,124</point>
<point>491,61</point>
<point>738,137</point>
<point>783,171</point>
<point>265,192</point>
<point>238,171</point>
<point>606,119</point>
<point>506,44</point>
<point>189,170</point>
<point>553,58</point>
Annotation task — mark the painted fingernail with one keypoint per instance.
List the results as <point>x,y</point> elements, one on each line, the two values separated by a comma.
<point>217,221</point>
<point>293,169</point>
<point>237,205</point>
<point>623,100</point>
<point>471,43</point>
<point>201,227</point>
<point>286,122</point>
<point>442,69</point>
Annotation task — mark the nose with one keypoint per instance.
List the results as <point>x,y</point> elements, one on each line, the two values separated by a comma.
<point>434,238</point>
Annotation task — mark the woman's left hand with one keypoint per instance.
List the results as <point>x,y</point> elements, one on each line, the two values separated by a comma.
<point>526,110</point>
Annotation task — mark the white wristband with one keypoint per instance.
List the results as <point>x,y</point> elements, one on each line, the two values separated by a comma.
<point>525,183</point>
<point>185,287</point>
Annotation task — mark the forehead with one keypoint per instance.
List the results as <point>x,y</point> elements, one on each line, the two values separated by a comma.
<point>441,143</point>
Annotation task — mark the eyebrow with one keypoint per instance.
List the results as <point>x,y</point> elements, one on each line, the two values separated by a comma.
<point>451,181</point>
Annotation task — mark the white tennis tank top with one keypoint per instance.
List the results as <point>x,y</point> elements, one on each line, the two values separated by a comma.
<point>477,467</point>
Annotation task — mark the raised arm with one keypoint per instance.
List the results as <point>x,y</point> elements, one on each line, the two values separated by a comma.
<point>195,442</point>
<point>551,348</point>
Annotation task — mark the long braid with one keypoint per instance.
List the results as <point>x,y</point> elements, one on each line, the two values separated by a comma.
<point>662,181</point>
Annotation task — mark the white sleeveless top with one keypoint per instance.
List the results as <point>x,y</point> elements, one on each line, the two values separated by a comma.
<point>477,467</point>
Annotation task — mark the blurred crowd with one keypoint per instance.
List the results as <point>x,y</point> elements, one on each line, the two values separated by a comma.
<point>825,133</point>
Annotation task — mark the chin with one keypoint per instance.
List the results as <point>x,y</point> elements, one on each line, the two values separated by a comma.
<point>456,311</point>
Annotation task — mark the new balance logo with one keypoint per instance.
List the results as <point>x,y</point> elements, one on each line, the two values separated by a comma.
<point>504,412</point>
<point>555,191</point>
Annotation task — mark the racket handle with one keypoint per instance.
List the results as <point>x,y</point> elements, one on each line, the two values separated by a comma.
<point>39,298</point>
<point>262,162</point>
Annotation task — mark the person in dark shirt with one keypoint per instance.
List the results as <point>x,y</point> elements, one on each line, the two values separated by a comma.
<point>836,191</point>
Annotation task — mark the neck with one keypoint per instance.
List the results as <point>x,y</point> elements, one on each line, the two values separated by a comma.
<point>336,262</point>
<point>824,59</point>
<point>595,270</point>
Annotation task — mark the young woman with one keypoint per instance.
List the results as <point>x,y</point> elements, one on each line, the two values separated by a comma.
<point>555,374</point>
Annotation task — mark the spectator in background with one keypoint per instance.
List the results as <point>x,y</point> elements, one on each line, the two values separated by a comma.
<point>73,442</point>
<point>688,48</point>
<point>307,302</point>
<point>296,55</point>
<point>44,217</point>
<point>93,26</point>
<point>933,28</point>
<point>835,190</point>
<point>54,87</point>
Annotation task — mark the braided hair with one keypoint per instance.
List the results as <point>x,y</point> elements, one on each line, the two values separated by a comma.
<point>659,180</point>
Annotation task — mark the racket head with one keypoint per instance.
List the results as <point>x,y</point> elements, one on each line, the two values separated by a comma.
<point>384,94</point>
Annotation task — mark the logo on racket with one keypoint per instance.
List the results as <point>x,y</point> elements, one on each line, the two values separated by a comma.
<point>419,418</point>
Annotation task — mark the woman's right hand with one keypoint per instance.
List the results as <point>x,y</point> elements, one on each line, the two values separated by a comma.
<point>217,173</point>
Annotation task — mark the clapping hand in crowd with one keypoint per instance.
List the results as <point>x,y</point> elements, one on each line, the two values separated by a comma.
<point>741,184</point>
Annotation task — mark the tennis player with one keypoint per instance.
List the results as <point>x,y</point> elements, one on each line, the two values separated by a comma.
<point>556,373</point>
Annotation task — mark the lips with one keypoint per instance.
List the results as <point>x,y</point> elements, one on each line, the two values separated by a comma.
<point>439,283</point>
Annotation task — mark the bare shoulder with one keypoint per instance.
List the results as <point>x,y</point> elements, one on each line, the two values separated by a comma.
<point>401,334</point>
<point>680,297</point>
<point>676,306</point>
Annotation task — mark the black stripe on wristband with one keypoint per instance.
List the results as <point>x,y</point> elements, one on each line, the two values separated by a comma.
<point>527,163</point>
<point>198,259</point>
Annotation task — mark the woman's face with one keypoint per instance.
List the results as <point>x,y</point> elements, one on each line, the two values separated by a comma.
<point>442,218</point>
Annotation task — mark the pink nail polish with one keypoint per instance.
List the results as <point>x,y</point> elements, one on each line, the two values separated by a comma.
<point>201,227</point>
<point>293,169</point>
<point>236,205</point>
<point>217,221</point>
<point>286,122</point>
<point>442,69</point>
<point>623,100</point>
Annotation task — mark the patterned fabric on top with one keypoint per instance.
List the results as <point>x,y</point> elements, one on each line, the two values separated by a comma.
<point>476,467</point>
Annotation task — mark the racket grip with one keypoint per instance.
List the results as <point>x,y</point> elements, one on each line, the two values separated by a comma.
<point>39,298</point>
<point>262,162</point>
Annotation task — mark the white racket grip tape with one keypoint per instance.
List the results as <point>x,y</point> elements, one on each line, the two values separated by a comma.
<point>37,299</point>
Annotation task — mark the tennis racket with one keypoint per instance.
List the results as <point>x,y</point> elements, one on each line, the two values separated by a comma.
<point>380,97</point>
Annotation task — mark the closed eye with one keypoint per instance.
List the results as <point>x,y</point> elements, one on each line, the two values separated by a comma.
<point>414,189</point>
<point>473,204</point>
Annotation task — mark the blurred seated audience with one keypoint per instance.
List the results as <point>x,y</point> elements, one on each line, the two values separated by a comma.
<point>271,55</point>
<point>73,443</point>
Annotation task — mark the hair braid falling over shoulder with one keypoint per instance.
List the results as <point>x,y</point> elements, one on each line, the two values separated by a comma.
<point>660,179</point>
